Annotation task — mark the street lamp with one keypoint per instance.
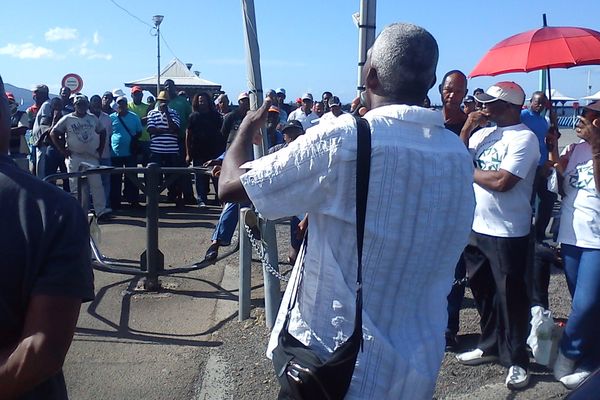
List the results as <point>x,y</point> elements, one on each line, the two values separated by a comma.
<point>157,19</point>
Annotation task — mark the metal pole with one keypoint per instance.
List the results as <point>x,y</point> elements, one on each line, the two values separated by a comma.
<point>245,266</point>
<point>152,260</point>
<point>366,36</point>
<point>272,288</point>
<point>158,59</point>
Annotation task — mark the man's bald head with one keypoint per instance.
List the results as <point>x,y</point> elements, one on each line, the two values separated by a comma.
<point>405,57</point>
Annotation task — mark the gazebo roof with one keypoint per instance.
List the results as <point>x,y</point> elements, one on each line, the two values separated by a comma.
<point>180,74</point>
<point>595,96</point>
<point>558,96</point>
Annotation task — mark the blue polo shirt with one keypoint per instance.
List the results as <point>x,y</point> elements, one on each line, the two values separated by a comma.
<point>539,126</point>
<point>120,140</point>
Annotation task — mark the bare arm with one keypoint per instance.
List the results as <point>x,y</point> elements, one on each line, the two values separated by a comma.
<point>474,120</point>
<point>57,138</point>
<point>498,181</point>
<point>240,151</point>
<point>188,146</point>
<point>40,353</point>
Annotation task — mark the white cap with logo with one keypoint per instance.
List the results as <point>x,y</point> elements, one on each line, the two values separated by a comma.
<point>506,91</point>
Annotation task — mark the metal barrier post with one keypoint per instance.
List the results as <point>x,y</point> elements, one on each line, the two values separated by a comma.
<point>272,288</point>
<point>152,260</point>
<point>245,269</point>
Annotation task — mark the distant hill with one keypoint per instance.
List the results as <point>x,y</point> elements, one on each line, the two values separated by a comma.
<point>24,97</point>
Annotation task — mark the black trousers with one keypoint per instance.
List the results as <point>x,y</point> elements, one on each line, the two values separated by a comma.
<point>496,270</point>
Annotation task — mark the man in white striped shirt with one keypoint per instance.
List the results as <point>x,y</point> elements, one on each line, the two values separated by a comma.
<point>419,213</point>
<point>163,127</point>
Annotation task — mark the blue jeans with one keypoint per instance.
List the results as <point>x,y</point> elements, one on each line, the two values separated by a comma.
<point>227,222</point>
<point>580,337</point>
<point>202,183</point>
<point>106,179</point>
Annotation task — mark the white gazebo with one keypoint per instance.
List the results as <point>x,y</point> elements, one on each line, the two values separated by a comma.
<point>593,97</point>
<point>184,79</point>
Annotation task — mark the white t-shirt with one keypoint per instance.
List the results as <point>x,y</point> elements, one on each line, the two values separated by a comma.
<point>82,134</point>
<point>514,149</point>
<point>419,213</point>
<point>580,215</point>
<point>305,120</point>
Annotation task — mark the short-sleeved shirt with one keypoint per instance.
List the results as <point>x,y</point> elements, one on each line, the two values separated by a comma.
<point>580,213</point>
<point>164,143</point>
<point>44,251</point>
<point>82,134</point>
<point>41,122</point>
<point>539,126</point>
<point>104,119</point>
<point>419,214</point>
<point>231,124</point>
<point>205,136</point>
<point>305,119</point>
<point>141,110</point>
<point>514,149</point>
<point>184,109</point>
<point>120,140</point>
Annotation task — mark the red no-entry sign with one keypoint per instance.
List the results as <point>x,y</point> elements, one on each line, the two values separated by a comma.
<point>73,82</point>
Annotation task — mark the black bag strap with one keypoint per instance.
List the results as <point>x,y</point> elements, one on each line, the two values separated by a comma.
<point>363,169</point>
<point>125,126</point>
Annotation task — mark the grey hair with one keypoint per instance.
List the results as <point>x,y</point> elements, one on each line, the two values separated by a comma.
<point>405,57</point>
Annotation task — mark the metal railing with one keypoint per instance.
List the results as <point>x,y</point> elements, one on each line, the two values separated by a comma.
<point>151,265</point>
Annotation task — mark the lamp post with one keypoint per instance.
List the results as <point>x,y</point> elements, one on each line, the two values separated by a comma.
<point>157,19</point>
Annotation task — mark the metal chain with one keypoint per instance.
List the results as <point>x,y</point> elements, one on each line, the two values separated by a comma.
<point>262,256</point>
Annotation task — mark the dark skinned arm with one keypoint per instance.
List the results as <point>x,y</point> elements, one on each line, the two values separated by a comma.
<point>474,120</point>
<point>57,138</point>
<point>498,181</point>
<point>188,146</point>
<point>40,352</point>
<point>240,151</point>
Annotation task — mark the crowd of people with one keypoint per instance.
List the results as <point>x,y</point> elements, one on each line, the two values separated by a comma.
<point>458,197</point>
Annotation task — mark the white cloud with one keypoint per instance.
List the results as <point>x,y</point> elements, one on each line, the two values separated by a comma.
<point>58,33</point>
<point>96,39</point>
<point>91,54</point>
<point>27,50</point>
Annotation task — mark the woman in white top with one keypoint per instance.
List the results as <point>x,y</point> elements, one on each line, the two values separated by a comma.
<point>579,235</point>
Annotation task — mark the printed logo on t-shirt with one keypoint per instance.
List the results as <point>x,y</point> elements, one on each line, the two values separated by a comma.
<point>490,159</point>
<point>84,130</point>
<point>582,177</point>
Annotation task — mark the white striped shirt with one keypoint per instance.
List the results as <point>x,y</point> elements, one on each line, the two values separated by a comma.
<point>164,143</point>
<point>419,214</point>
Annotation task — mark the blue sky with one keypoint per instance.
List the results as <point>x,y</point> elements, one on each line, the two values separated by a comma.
<point>305,45</point>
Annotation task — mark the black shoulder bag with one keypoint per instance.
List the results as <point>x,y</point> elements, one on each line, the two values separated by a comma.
<point>134,145</point>
<point>302,374</point>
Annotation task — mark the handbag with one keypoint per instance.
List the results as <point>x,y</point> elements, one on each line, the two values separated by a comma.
<point>302,374</point>
<point>134,145</point>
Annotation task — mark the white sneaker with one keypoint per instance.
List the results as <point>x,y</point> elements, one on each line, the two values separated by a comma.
<point>201,204</point>
<point>563,366</point>
<point>474,357</point>
<point>575,379</point>
<point>517,378</point>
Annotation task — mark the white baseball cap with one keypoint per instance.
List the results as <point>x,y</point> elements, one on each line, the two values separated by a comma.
<point>506,91</point>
